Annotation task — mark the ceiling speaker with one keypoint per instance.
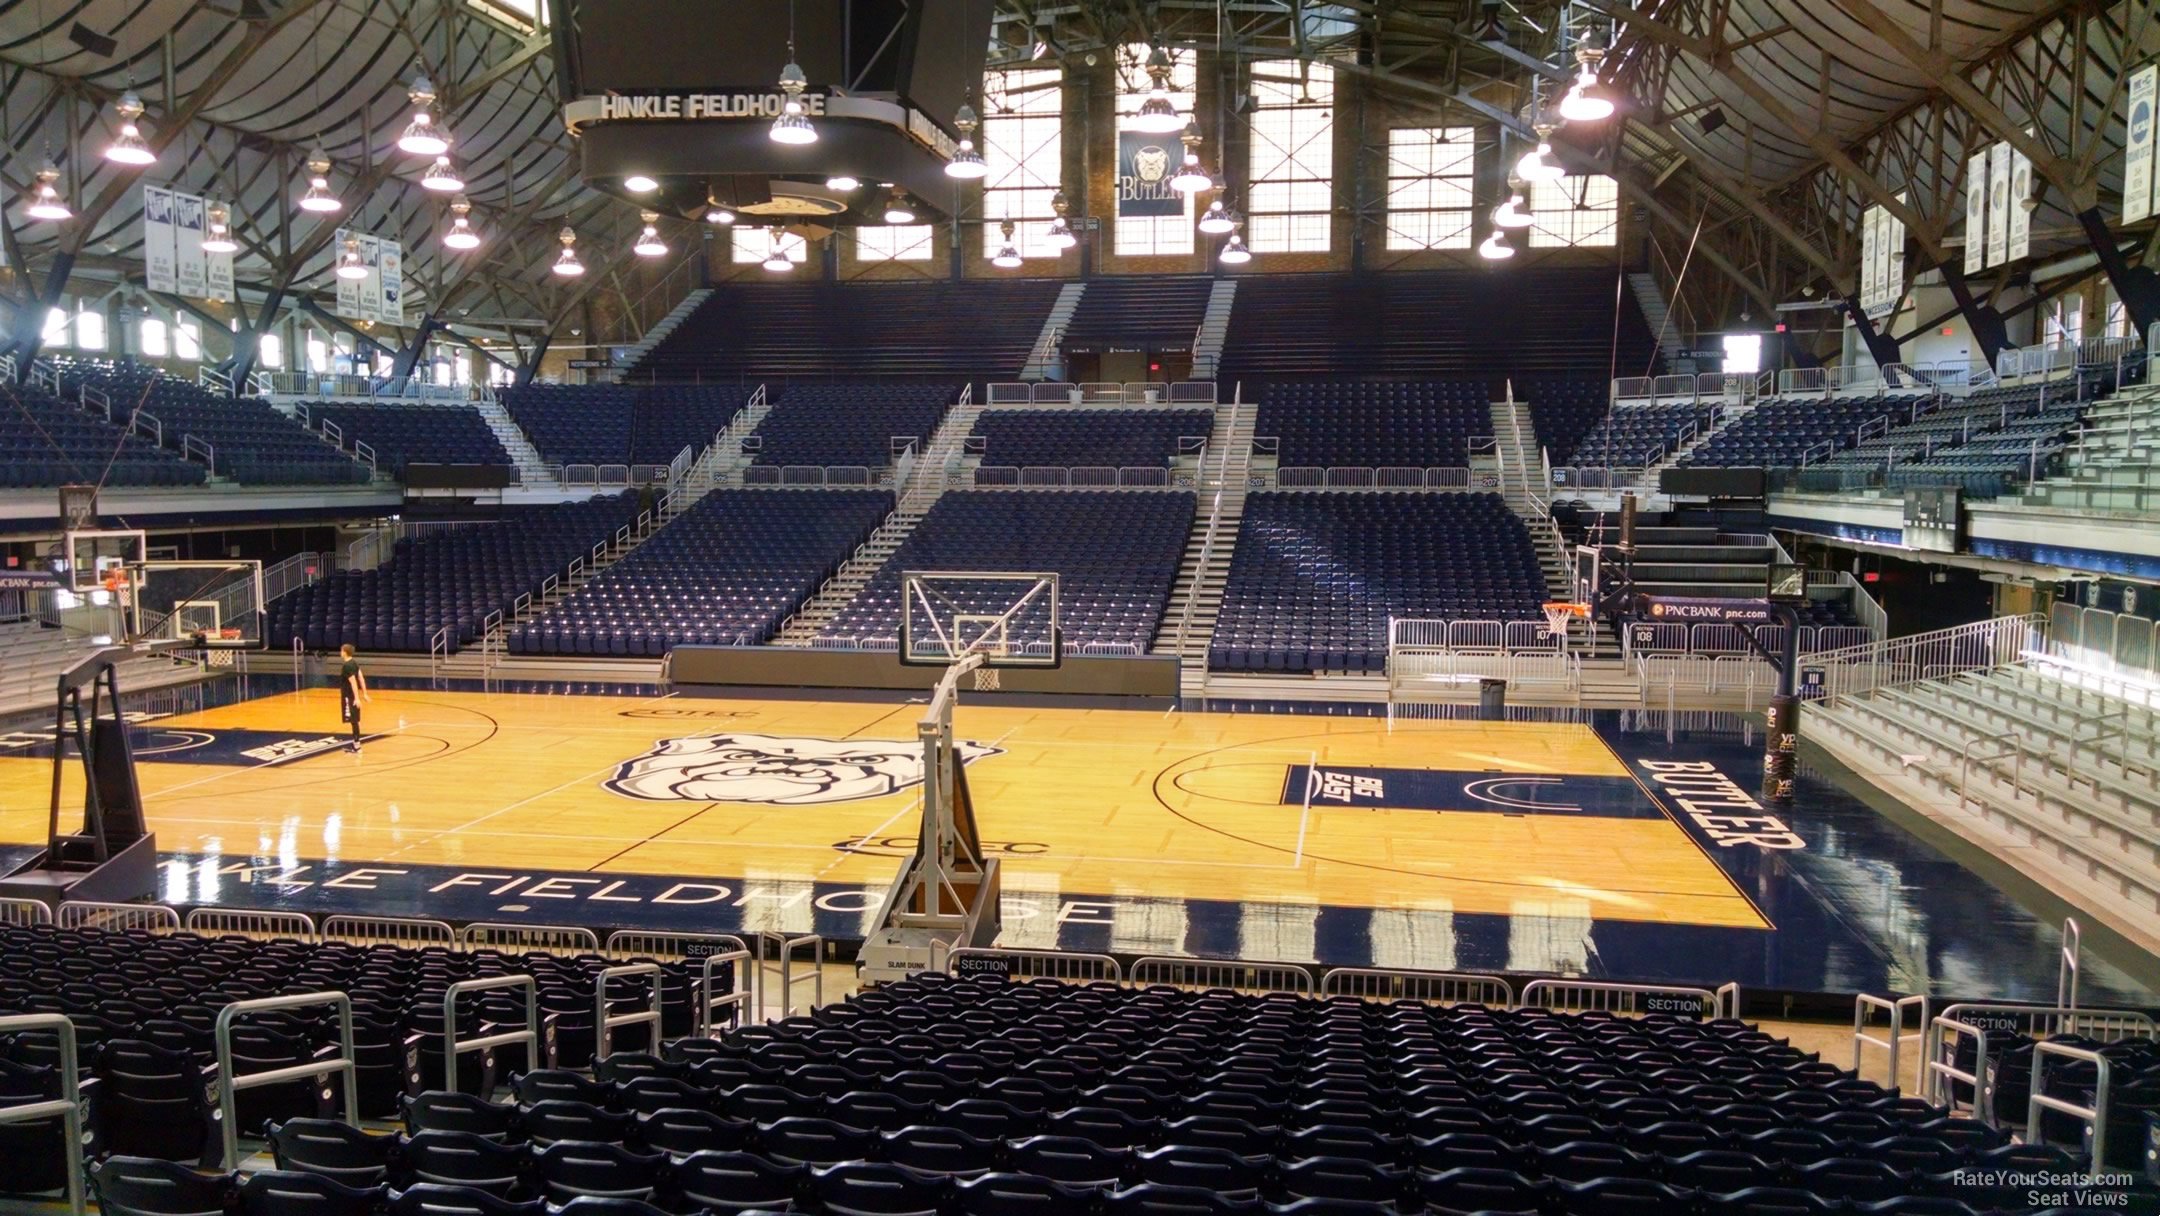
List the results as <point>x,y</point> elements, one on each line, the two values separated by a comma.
<point>1712,119</point>
<point>92,41</point>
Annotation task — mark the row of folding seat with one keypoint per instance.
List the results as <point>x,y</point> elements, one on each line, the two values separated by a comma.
<point>253,442</point>
<point>849,423</point>
<point>770,331</point>
<point>408,434</point>
<point>136,1186</point>
<point>1063,438</point>
<point>45,441</point>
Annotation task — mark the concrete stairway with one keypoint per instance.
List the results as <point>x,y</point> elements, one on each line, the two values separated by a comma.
<point>1731,414</point>
<point>1644,287</point>
<point>1046,357</point>
<point>1188,624</point>
<point>1519,477</point>
<point>2113,464</point>
<point>722,462</point>
<point>532,468</point>
<point>666,325</point>
<point>925,484</point>
<point>1214,328</point>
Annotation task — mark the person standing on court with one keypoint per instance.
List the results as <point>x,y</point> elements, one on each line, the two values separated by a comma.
<point>352,690</point>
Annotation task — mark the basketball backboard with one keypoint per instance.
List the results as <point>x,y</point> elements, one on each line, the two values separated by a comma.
<point>219,601</point>
<point>1008,617</point>
<point>92,556</point>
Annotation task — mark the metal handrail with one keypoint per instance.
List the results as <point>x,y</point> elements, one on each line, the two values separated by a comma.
<point>230,1084</point>
<point>68,1105</point>
<point>1895,1034</point>
<point>453,1047</point>
<point>1432,987</point>
<point>742,989</point>
<point>604,1024</point>
<point>786,946</point>
<point>2096,1114</point>
<point>1582,995</point>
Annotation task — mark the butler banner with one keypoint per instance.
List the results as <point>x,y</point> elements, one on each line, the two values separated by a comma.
<point>1145,163</point>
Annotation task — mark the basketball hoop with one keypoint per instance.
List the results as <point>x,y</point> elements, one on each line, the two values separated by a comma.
<point>1557,613</point>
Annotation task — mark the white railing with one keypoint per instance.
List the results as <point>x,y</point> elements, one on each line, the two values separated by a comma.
<point>1079,477</point>
<point>1729,387</point>
<point>808,475</point>
<point>1063,394</point>
<point>1353,477</point>
<point>2103,642</point>
<point>1979,646</point>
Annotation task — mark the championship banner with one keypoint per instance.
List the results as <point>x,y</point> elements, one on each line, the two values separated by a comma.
<point>348,290</point>
<point>1998,204</point>
<point>1976,213</point>
<point>1145,163</point>
<point>2021,197</point>
<point>160,273</point>
<point>390,275</point>
<point>1870,237</point>
<point>2143,145</point>
<point>191,266</point>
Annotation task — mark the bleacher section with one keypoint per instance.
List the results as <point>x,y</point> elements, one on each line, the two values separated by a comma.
<point>947,330</point>
<point>727,572</point>
<point>412,434</point>
<point>981,1097</point>
<point>622,424</point>
<point>849,423</point>
<point>669,417</point>
<point>1066,438</point>
<point>1986,444</point>
<point>1148,313</point>
<point>1421,423</point>
<point>1315,577</point>
<point>253,443</point>
<point>454,578</point>
<point>1629,437</point>
<point>1528,322</point>
<point>1563,411</point>
<point>47,442</point>
<point>1116,555</point>
<point>1782,430</point>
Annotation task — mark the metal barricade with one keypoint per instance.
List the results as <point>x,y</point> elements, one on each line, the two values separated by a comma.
<point>1431,987</point>
<point>604,1023</point>
<point>548,939</point>
<point>782,965</point>
<point>453,1047</point>
<point>1033,964</point>
<point>1583,996</point>
<point>24,912</point>
<point>1976,1020</point>
<point>1221,973</point>
<point>68,1106</point>
<point>388,930</point>
<point>118,918</point>
<point>245,922</point>
<point>230,1083</point>
<point>1894,1035</point>
<point>2096,1114</point>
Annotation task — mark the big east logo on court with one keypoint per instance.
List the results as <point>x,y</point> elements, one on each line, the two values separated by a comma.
<point>776,770</point>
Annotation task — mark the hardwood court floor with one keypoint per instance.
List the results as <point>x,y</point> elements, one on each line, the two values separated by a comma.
<point>1192,806</point>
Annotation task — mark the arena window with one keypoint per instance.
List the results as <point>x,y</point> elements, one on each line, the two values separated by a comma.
<point>2118,317</point>
<point>1575,211</point>
<point>1023,142</point>
<point>318,353</point>
<point>532,14</point>
<point>890,243</point>
<point>1293,158</point>
<point>270,351</point>
<point>90,330</point>
<point>56,327</point>
<point>187,339</point>
<point>150,338</point>
<point>752,244</point>
<point>1154,235</point>
<point>1431,171</point>
<point>2065,320</point>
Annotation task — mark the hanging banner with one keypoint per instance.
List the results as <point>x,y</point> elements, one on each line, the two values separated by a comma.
<point>1869,230</point>
<point>2142,150</point>
<point>1976,171</point>
<point>371,286</point>
<point>1893,251</point>
<point>348,290</point>
<point>2021,200</point>
<point>390,266</point>
<point>1998,249</point>
<point>219,272</point>
<point>191,268</point>
<point>1145,163</point>
<point>159,271</point>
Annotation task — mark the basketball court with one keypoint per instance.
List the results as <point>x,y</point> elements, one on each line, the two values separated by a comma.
<point>1348,840</point>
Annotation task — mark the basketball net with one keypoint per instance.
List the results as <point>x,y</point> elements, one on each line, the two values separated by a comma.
<point>1557,613</point>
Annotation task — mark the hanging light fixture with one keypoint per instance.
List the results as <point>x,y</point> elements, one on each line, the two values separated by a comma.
<point>421,137</point>
<point>844,182</point>
<point>318,196</point>
<point>715,214</point>
<point>442,176</point>
<point>461,236</point>
<point>1496,247</point>
<point>1156,115</point>
<point>128,148</point>
<point>639,183</point>
<point>46,201</point>
<point>776,259</point>
<point>897,210</point>
<point>1587,100</point>
<point>217,230</point>
<point>1538,165</point>
<point>1512,213</point>
<point>1060,233</point>
<point>566,262</point>
<point>1215,221</point>
<point>966,164</point>
<point>649,244</point>
<point>1234,252</point>
<point>1191,177</point>
<point>793,125</point>
<point>1008,254</point>
<point>349,263</point>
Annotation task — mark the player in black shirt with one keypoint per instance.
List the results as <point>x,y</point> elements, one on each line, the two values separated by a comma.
<point>352,690</point>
